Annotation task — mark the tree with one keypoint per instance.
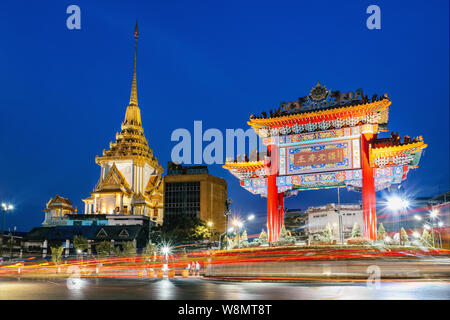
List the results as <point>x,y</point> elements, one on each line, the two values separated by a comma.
<point>150,248</point>
<point>263,237</point>
<point>327,234</point>
<point>403,235</point>
<point>117,251</point>
<point>426,238</point>
<point>381,233</point>
<point>236,241</point>
<point>181,229</point>
<point>80,243</point>
<point>285,237</point>
<point>104,248</point>
<point>244,239</point>
<point>229,243</point>
<point>129,249</point>
<point>356,231</point>
<point>201,232</point>
<point>56,254</point>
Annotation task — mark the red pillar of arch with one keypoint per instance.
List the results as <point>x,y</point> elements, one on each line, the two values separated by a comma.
<point>368,190</point>
<point>272,195</point>
<point>280,211</point>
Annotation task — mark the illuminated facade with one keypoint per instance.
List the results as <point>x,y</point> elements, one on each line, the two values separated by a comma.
<point>327,139</point>
<point>130,180</point>
<point>57,210</point>
<point>191,191</point>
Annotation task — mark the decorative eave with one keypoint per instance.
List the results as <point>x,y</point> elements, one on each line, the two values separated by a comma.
<point>138,159</point>
<point>249,166</point>
<point>394,154</point>
<point>59,199</point>
<point>245,170</point>
<point>329,114</point>
<point>113,182</point>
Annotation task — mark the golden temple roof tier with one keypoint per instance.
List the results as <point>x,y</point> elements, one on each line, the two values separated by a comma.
<point>133,116</point>
<point>131,142</point>
<point>370,112</point>
<point>113,182</point>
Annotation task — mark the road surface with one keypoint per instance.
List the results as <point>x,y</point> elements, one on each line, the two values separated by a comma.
<point>202,289</point>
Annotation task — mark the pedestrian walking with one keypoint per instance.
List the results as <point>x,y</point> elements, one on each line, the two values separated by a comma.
<point>197,268</point>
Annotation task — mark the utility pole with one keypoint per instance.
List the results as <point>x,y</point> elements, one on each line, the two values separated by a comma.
<point>5,208</point>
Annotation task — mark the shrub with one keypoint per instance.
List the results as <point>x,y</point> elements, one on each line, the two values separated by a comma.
<point>381,233</point>
<point>358,241</point>
<point>104,248</point>
<point>356,231</point>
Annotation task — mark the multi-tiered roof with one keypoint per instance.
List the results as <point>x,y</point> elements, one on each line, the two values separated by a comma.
<point>131,142</point>
<point>320,115</point>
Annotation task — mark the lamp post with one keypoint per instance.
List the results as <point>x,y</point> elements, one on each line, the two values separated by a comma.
<point>5,208</point>
<point>226,213</point>
<point>429,224</point>
<point>11,242</point>
<point>398,205</point>
<point>210,224</point>
<point>338,212</point>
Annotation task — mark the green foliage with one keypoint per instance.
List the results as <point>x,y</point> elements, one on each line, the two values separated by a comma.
<point>117,252</point>
<point>403,235</point>
<point>263,237</point>
<point>235,241</point>
<point>426,238</point>
<point>150,248</point>
<point>56,254</point>
<point>104,248</point>
<point>327,234</point>
<point>284,237</point>
<point>356,231</point>
<point>229,243</point>
<point>244,239</point>
<point>129,249</point>
<point>201,232</point>
<point>381,233</point>
<point>181,229</point>
<point>80,243</point>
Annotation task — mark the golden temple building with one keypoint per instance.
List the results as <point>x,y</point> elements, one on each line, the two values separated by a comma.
<point>130,180</point>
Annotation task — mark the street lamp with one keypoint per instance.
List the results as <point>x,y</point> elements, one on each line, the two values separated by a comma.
<point>226,213</point>
<point>5,208</point>
<point>434,214</point>
<point>399,205</point>
<point>166,250</point>
<point>210,224</point>
<point>338,212</point>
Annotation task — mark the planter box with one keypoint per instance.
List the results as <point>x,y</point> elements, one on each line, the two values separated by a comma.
<point>151,273</point>
<point>160,273</point>
<point>171,273</point>
<point>185,273</point>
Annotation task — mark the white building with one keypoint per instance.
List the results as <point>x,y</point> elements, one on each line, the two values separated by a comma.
<point>319,217</point>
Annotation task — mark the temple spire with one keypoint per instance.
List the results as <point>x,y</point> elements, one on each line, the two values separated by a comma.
<point>133,96</point>
<point>133,114</point>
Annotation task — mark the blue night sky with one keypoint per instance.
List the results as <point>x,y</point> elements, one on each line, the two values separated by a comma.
<point>64,92</point>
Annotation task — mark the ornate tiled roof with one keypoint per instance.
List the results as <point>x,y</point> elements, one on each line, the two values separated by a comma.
<point>114,181</point>
<point>324,105</point>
